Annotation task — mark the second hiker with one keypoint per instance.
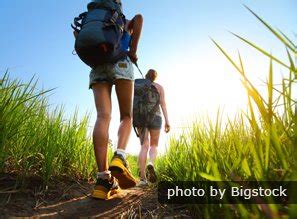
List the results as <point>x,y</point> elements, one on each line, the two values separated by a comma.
<point>147,118</point>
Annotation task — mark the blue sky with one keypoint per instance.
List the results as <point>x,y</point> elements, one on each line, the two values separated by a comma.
<point>36,39</point>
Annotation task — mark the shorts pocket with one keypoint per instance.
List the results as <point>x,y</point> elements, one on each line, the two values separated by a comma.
<point>124,69</point>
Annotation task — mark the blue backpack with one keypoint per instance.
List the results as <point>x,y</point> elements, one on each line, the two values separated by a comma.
<point>99,32</point>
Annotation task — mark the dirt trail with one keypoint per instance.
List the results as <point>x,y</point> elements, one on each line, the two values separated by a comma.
<point>126,202</point>
<point>71,199</point>
<point>85,206</point>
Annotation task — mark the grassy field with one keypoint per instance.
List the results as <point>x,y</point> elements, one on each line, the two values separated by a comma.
<point>37,140</point>
<point>259,144</point>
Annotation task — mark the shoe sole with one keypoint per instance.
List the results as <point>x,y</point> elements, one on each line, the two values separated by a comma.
<point>122,174</point>
<point>151,174</point>
<point>101,194</point>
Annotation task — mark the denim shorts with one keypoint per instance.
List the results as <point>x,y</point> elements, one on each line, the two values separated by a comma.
<point>155,123</point>
<point>123,69</point>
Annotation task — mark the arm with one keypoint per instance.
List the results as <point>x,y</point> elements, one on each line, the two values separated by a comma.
<point>135,27</point>
<point>164,109</point>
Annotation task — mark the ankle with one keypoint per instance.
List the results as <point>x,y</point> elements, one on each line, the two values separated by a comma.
<point>122,153</point>
<point>104,175</point>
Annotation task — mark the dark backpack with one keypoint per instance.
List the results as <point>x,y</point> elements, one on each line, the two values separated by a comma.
<point>145,104</point>
<point>100,30</point>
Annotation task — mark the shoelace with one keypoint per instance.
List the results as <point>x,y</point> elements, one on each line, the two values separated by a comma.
<point>113,181</point>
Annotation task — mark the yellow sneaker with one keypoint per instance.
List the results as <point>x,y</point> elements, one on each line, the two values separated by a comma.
<point>119,168</point>
<point>105,188</point>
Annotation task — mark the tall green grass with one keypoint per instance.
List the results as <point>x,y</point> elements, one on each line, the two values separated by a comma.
<point>35,139</point>
<point>259,144</point>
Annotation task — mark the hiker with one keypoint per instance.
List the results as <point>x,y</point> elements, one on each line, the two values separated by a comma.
<point>102,78</point>
<point>149,125</point>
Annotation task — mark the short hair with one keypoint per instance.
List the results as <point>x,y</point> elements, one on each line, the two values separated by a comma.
<point>151,75</point>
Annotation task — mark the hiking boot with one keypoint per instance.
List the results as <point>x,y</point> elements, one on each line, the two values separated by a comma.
<point>119,168</point>
<point>150,173</point>
<point>105,188</point>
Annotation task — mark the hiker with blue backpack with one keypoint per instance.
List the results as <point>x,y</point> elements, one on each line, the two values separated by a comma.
<point>102,33</point>
<point>149,99</point>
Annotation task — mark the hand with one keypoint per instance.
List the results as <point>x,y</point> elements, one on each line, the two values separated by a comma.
<point>167,127</point>
<point>133,57</point>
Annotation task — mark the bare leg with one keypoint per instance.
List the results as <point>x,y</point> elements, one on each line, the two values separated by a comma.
<point>143,153</point>
<point>124,90</point>
<point>118,167</point>
<point>154,134</point>
<point>102,93</point>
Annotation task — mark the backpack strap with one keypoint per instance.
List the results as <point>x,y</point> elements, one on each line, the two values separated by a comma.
<point>140,135</point>
<point>136,132</point>
<point>113,22</point>
<point>78,22</point>
<point>139,69</point>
